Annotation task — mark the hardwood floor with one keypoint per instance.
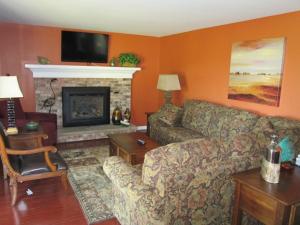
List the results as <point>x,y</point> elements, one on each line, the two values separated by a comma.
<point>50,204</point>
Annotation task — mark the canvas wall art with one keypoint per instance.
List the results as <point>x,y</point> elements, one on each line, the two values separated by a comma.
<point>256,71</point>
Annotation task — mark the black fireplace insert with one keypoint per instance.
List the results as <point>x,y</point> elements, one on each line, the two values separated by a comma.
<point>84,106</point>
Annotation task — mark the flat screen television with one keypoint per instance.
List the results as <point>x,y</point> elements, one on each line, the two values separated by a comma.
<point>84,47</point>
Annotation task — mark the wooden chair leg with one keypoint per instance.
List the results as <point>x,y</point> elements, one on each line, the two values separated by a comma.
<point>10,181</point>
<point>13,189</point>
<point>4,172</point>
<point>64,180</point>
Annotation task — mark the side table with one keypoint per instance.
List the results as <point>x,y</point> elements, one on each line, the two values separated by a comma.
<point>148,124</point>
<point>27,139</point>
<point>271,204</point>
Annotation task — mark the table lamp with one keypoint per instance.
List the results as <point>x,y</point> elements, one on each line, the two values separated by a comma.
<point>168,83</point>
<point>9,89</point>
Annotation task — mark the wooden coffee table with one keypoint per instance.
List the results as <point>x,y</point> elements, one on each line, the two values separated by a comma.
<point>125,145</point>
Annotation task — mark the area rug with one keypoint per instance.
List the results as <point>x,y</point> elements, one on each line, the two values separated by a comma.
<point>89,182</point>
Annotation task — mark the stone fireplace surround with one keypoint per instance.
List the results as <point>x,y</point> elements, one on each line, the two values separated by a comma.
<point>120,92</point>
<point>117,78</point>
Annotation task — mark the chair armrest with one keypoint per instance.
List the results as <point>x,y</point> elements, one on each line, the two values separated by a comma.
<point>39,116</point>
<point>44,150</point>
<point>31,151</point>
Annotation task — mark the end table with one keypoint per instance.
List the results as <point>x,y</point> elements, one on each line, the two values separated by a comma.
<point>26,139</point>
<point>271,204</point>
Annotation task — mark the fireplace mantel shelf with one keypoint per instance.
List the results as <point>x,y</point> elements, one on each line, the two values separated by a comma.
<point>71,71</point>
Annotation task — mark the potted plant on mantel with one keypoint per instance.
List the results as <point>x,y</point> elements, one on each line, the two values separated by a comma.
<point>128,60</point>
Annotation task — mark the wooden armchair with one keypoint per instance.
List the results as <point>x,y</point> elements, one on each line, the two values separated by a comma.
<point>30,164</point>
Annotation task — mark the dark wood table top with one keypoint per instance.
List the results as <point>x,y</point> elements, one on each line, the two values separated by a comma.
<point>287,191</point>
<point>128,142</point>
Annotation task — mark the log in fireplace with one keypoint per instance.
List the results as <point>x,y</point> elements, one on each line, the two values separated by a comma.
<point>83,106</point>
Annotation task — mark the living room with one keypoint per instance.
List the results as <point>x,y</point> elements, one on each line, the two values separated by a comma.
<point>196,46</point>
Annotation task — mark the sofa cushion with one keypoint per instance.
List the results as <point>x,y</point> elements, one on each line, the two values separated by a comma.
<point>162,165</point>
<point>285,127</point>
<point>171,115</point>
<point>197,116</point>
<point>294,136</point>
<point>217,121</point>
<point>177,134</point>
<point>281,122</point>
<point>228,122</point>
<point>36,164</point>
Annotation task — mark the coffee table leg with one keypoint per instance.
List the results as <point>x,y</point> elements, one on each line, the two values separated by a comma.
<point>237,212</point>
<point>112,149</point>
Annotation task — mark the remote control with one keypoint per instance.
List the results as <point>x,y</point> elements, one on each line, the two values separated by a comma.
<point>141,142</point>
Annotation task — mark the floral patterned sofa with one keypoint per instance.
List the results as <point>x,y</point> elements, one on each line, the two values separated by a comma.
<point>189,182</point>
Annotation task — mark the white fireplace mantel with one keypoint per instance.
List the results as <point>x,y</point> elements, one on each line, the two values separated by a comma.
<point>71,71</point>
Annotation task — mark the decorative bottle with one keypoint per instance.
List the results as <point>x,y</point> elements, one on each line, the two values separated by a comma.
<point>116,116</point>
<point>127,115</point>
<point>270,169</point>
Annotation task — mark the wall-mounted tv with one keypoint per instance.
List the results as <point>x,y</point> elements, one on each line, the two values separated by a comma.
<point>84,47</point>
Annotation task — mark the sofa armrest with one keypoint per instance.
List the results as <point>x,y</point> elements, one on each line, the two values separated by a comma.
<point>168,116</point>
<point>127,180</point>
<point>120,172</point>
<point>39,116</point>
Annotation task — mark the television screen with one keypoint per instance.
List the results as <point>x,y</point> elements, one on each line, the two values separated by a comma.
<point>84,47</point>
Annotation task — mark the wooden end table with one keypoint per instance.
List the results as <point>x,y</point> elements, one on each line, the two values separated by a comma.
<point>125,145</point>
<point>26,139</point>
<point>271,204</point>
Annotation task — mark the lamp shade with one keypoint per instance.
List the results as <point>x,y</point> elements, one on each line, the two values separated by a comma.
<point>168,82</point>
<point>9,87</point>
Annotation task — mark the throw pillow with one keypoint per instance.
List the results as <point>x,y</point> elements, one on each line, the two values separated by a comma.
<point>171,115</point>
<point>287,149</point>
<point>293,134</point>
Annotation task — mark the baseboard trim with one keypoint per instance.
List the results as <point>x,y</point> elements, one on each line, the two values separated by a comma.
<point>141,128</point>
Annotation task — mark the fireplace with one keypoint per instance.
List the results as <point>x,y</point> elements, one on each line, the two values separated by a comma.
<point>83,106</point>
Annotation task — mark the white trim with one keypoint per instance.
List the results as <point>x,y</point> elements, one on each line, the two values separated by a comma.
<point>141,128</point>
<point>71,71</point>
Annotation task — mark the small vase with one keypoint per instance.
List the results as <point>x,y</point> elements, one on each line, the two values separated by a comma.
<point>116,116</point>
<point>127,115</point>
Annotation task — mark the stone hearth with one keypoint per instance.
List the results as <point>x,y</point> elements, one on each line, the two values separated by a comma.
<point>71,134</point>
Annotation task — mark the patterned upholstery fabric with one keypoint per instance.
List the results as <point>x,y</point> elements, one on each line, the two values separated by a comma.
<point>171,115</point>
<point>205,120</point>
<point>181,183</point>
<point>189,180</point>
<point>285,127</point>
<point>177,134</point>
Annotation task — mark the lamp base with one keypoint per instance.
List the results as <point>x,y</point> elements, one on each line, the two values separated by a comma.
<point>168,97</point>
<point>12,130</point>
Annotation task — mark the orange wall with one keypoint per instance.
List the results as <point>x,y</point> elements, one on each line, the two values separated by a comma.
<point>20,44</point>
<point>202,59</point>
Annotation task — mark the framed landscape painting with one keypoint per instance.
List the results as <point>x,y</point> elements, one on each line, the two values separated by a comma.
<point>256,71</point>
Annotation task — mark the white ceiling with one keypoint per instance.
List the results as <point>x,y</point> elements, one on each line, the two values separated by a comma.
<point>146,17</point>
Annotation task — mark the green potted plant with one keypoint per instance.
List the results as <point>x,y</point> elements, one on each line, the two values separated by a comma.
<point>128,59</point>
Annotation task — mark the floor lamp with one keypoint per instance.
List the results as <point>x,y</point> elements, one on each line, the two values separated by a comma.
<point>10,89</point>
<point>168,83</point>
